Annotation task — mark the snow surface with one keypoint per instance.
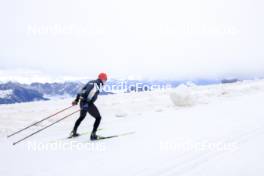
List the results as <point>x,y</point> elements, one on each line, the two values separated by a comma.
<point>5,93</point>
<point>191,130</point>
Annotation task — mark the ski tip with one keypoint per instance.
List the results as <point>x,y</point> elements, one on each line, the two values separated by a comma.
<point>113,136</point>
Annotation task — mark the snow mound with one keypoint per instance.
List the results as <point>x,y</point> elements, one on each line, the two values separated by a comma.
<point>189,95</point>
<point>182,96</point>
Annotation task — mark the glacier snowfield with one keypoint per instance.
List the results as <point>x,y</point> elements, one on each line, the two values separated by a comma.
<point>190,130</point>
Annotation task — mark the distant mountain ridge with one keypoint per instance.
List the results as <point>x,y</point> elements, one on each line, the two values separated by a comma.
<point>14,92</point>
<point>57,89</point>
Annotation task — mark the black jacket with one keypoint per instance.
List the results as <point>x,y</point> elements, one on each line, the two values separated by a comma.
<point>90,91</point>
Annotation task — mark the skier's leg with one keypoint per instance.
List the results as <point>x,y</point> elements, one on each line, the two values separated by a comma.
<point>79,120</point>
<point>93,111</point>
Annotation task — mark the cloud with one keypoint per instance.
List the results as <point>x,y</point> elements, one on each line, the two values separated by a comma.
<point>143,38</point>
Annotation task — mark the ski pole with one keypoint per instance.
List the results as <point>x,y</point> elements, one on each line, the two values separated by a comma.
<point>44,128</point>
<point>39,121</point>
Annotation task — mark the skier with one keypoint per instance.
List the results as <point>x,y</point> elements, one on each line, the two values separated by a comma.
<point>87,97</point>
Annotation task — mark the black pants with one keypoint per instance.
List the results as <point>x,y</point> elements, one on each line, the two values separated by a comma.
<point>93,111</point>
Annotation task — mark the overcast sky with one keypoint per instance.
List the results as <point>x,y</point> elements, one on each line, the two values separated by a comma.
<point>136,38</point>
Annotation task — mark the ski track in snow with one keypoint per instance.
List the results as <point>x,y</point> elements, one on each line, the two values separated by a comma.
<point>233,110</point>
<point>183,164</point>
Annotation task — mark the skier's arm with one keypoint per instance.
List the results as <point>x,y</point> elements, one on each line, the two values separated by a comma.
<point>78,96</point>
<point>75,102</point>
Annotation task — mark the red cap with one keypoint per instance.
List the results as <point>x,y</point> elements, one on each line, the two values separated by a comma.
<point>102,76</point>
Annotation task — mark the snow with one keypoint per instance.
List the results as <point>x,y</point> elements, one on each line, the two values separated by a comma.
<point>5,93</point>
<point>191,130</point>
<point>182,96</point>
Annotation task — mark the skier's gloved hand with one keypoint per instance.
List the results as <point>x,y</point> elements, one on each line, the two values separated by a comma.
<point>74,103</point>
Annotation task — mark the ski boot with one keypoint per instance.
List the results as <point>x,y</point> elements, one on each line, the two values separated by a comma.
<point>94,137</point>
<point>74,134</point>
